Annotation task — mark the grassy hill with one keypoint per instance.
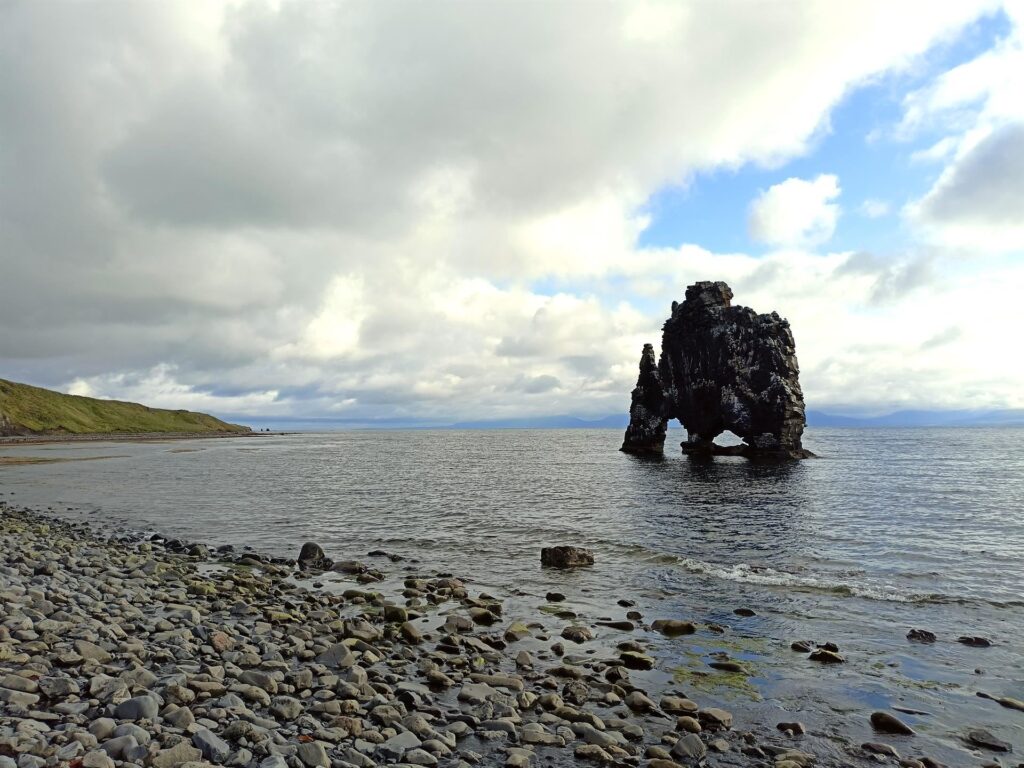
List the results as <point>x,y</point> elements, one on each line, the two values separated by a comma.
<point>26,410</point>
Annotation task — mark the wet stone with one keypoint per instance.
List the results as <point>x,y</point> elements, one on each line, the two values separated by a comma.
<point>673,627</point>
<point>636,660</point>
<point>876,748</point>
<point>689,749</point>
<point>883,722</point>
<point>983,738</point>
<point>825,656</point>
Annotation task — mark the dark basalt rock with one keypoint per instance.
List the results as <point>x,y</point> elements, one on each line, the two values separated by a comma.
<point>566,557</point>
<point>313,558</point>
<point>974,642</point>
<point>883,722</point>
<point>647,422</point>
<point>722,367</point>
<point>982,738</point>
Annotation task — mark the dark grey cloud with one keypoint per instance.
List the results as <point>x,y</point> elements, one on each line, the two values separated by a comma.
<point>897,280</point>
<point>942,338</point>
<point>895,277</point>
<point>861,263</point>
<point>535,385</point>
<point>986,186</point>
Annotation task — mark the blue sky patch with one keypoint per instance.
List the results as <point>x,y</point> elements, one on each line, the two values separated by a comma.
<point>860,147</point>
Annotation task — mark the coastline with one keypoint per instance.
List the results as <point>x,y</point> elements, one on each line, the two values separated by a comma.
<point>238,659</point>
<point>126,437</point>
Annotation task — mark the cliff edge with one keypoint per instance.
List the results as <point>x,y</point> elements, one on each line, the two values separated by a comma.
<point>28,410</point>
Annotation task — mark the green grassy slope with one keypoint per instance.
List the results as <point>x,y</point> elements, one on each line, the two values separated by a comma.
<point>33,410</point>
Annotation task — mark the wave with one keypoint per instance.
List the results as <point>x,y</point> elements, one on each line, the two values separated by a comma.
<point>834,584</point>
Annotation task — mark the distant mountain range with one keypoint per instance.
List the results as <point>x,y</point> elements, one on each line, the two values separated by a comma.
<point>910,418</point>
<point>921,418</point>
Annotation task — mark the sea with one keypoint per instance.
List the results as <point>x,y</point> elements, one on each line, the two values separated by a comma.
<point>886,531</point>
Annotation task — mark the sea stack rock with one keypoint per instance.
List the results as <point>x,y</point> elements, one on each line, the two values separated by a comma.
<point>647,421</point>
<point>721,368</point>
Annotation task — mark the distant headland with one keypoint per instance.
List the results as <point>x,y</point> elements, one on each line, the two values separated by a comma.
<point>722,367</point>
<point>27,411</point>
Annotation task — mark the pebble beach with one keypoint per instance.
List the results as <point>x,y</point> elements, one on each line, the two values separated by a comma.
<point>122,651</point>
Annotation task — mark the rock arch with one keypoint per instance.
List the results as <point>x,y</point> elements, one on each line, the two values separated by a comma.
<point>722,367</point>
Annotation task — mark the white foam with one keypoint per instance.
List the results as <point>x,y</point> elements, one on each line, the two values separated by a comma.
<point>763,575</point>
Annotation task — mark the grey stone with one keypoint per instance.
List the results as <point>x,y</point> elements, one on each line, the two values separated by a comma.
<point>476,693</point>
<point>92,651</point>
<point>313,755</point>
<point>58,687</point>
<point>181,718</point>
<point>145,707</point>
<point>286,707</point>
<point>419,757</point>
<point>982,738</point>
<point>19,683</point>
<point>395,748</point>
<point>97,759</point>
<point>180,753</point>
<point>213,747</point>
<point>140,734</point>
<point>884,722</point>
<point>689,749</point>
<point>338,655</point>
<point>713,717</point>
<point>116,746</point>
<point>18,698</point>
<point>102,728</point>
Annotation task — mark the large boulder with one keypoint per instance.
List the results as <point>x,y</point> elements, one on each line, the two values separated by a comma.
<point>566,557</point>
<point>722,367</point>
<point>313,558</point>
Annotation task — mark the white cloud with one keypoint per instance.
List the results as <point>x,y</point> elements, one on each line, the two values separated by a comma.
<point>979,199</point>
<point>875,209</point>
<point>977,202</point>
<point>796,211</point>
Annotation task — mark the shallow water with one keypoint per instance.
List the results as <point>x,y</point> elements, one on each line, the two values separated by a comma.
<point>890,529</point>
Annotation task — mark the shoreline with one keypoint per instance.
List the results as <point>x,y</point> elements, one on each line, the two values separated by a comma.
<point>127,437</point>
<point>250,647</point>
<point>397,658</point>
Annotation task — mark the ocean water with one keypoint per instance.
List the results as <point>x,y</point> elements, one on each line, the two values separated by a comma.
<point>888,530</point>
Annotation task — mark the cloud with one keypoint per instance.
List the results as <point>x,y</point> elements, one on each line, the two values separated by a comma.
<point>977,202</point>
<point>875,209</point>
<point>536,385</point>
<point>367,209</point>
<point>896,280</point>
<point>980,197</point>
<point>796,212</point>
<point>942,338</point>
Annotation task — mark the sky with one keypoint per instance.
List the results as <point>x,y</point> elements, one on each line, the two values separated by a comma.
<point>451,210</point>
